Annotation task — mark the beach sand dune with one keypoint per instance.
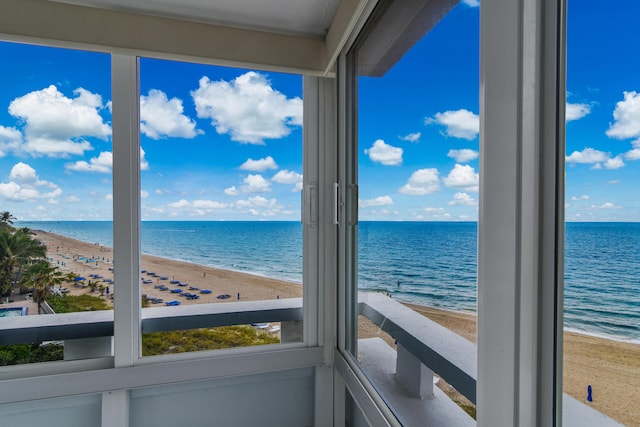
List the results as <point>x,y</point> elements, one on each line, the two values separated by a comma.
<point>611,367</point>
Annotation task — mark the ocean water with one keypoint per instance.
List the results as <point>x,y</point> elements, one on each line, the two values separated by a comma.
<point>430,263</point>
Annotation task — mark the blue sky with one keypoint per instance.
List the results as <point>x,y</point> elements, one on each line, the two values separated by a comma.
<point>225,144</point>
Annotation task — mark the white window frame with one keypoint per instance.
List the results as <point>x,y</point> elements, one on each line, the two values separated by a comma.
<point>113,377</point>
<point>127,217</point>
<point>521,220</point>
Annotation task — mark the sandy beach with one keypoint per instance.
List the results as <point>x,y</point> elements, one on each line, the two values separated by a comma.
<point>88,259</point>
<point>611,367</point>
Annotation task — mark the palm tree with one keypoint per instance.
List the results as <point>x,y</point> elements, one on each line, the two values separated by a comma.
<point>93,285</point>
<point>26,230</point>
<point>6,218</point>
<point>70,277</point>
<point>42,277</point>
<point>17,250</point>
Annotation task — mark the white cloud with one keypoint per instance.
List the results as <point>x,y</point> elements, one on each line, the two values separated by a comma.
<point>161,117</point>
<point>588,155</point>
<point>144,164</point>
<point>435,213</point>
<point>583,197</point>
<point>422,182</point>
<point>101,164</point>
<point>472,3</point>
<point>257,202</point>
<point>412,137</point>
<point>144,194</point>
<point>378,201</point>
<point>606,205</point>
<point>463,177</point>
<point>25,185</point>
<point>626,117</point>
<point>256,184</point>
<point>634,153</point>
<point>208,204</point>
<point>247,108</point>
<point>576,111</point>
<point>288,177</point>
<point>231,191</point>
<point>182,203</point>
<point>458,124</point>
<point>462,199</point>
<point>23,173</point>
<point>10,140</point>
<point>614,163</point>
<point>464,155</point>
<point>55,124</point>
<point>72,199</point>
<point>386,154</point>
<point>261,206</point>
<point>259,165</point>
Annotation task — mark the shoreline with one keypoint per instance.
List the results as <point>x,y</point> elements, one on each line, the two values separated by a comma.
<point>612,367</point>
<point>86,259</point>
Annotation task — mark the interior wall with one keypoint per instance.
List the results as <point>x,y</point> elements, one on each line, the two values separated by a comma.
<point>74,411</point>
<point>273,399</point>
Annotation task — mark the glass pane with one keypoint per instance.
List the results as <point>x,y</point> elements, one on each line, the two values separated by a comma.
<point>221,180</point>
<point>417,175</point>
<point>55,196</point>
<point>602,243</point>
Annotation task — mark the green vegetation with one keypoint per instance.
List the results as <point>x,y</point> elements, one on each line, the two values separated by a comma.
<point>34,353</point>
<point>23,263</point>
<point>152,344</point>
<point>41,277</point>
<point>204,339</point>
<point>6,219</point>
<point>18,251</point>
<point>75,303</point>
<point>30,353</point>
<point>469,408</point>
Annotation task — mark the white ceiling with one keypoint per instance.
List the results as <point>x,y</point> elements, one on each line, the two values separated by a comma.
<point>299,17</point>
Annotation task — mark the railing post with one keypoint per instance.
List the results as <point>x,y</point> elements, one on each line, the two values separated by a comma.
<point>413,374</point>
<point>88,348</point>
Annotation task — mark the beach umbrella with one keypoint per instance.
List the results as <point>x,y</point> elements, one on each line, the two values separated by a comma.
<point>78,279</point>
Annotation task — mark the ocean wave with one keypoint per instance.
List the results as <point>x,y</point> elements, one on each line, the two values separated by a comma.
<point>611,337</point>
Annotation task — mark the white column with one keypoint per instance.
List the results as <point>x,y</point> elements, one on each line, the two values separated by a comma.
<point>413,374</point>
<point>115,408</point>
<point>521,220</point>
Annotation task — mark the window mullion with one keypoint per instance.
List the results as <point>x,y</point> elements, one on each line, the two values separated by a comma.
<point>126,208</point>
<point>521,213</point>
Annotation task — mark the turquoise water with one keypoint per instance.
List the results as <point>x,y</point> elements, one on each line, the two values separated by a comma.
<point>421,262</point>
<point>11,312</point>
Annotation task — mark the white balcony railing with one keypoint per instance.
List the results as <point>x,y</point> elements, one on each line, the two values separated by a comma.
<point>404,378</point>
